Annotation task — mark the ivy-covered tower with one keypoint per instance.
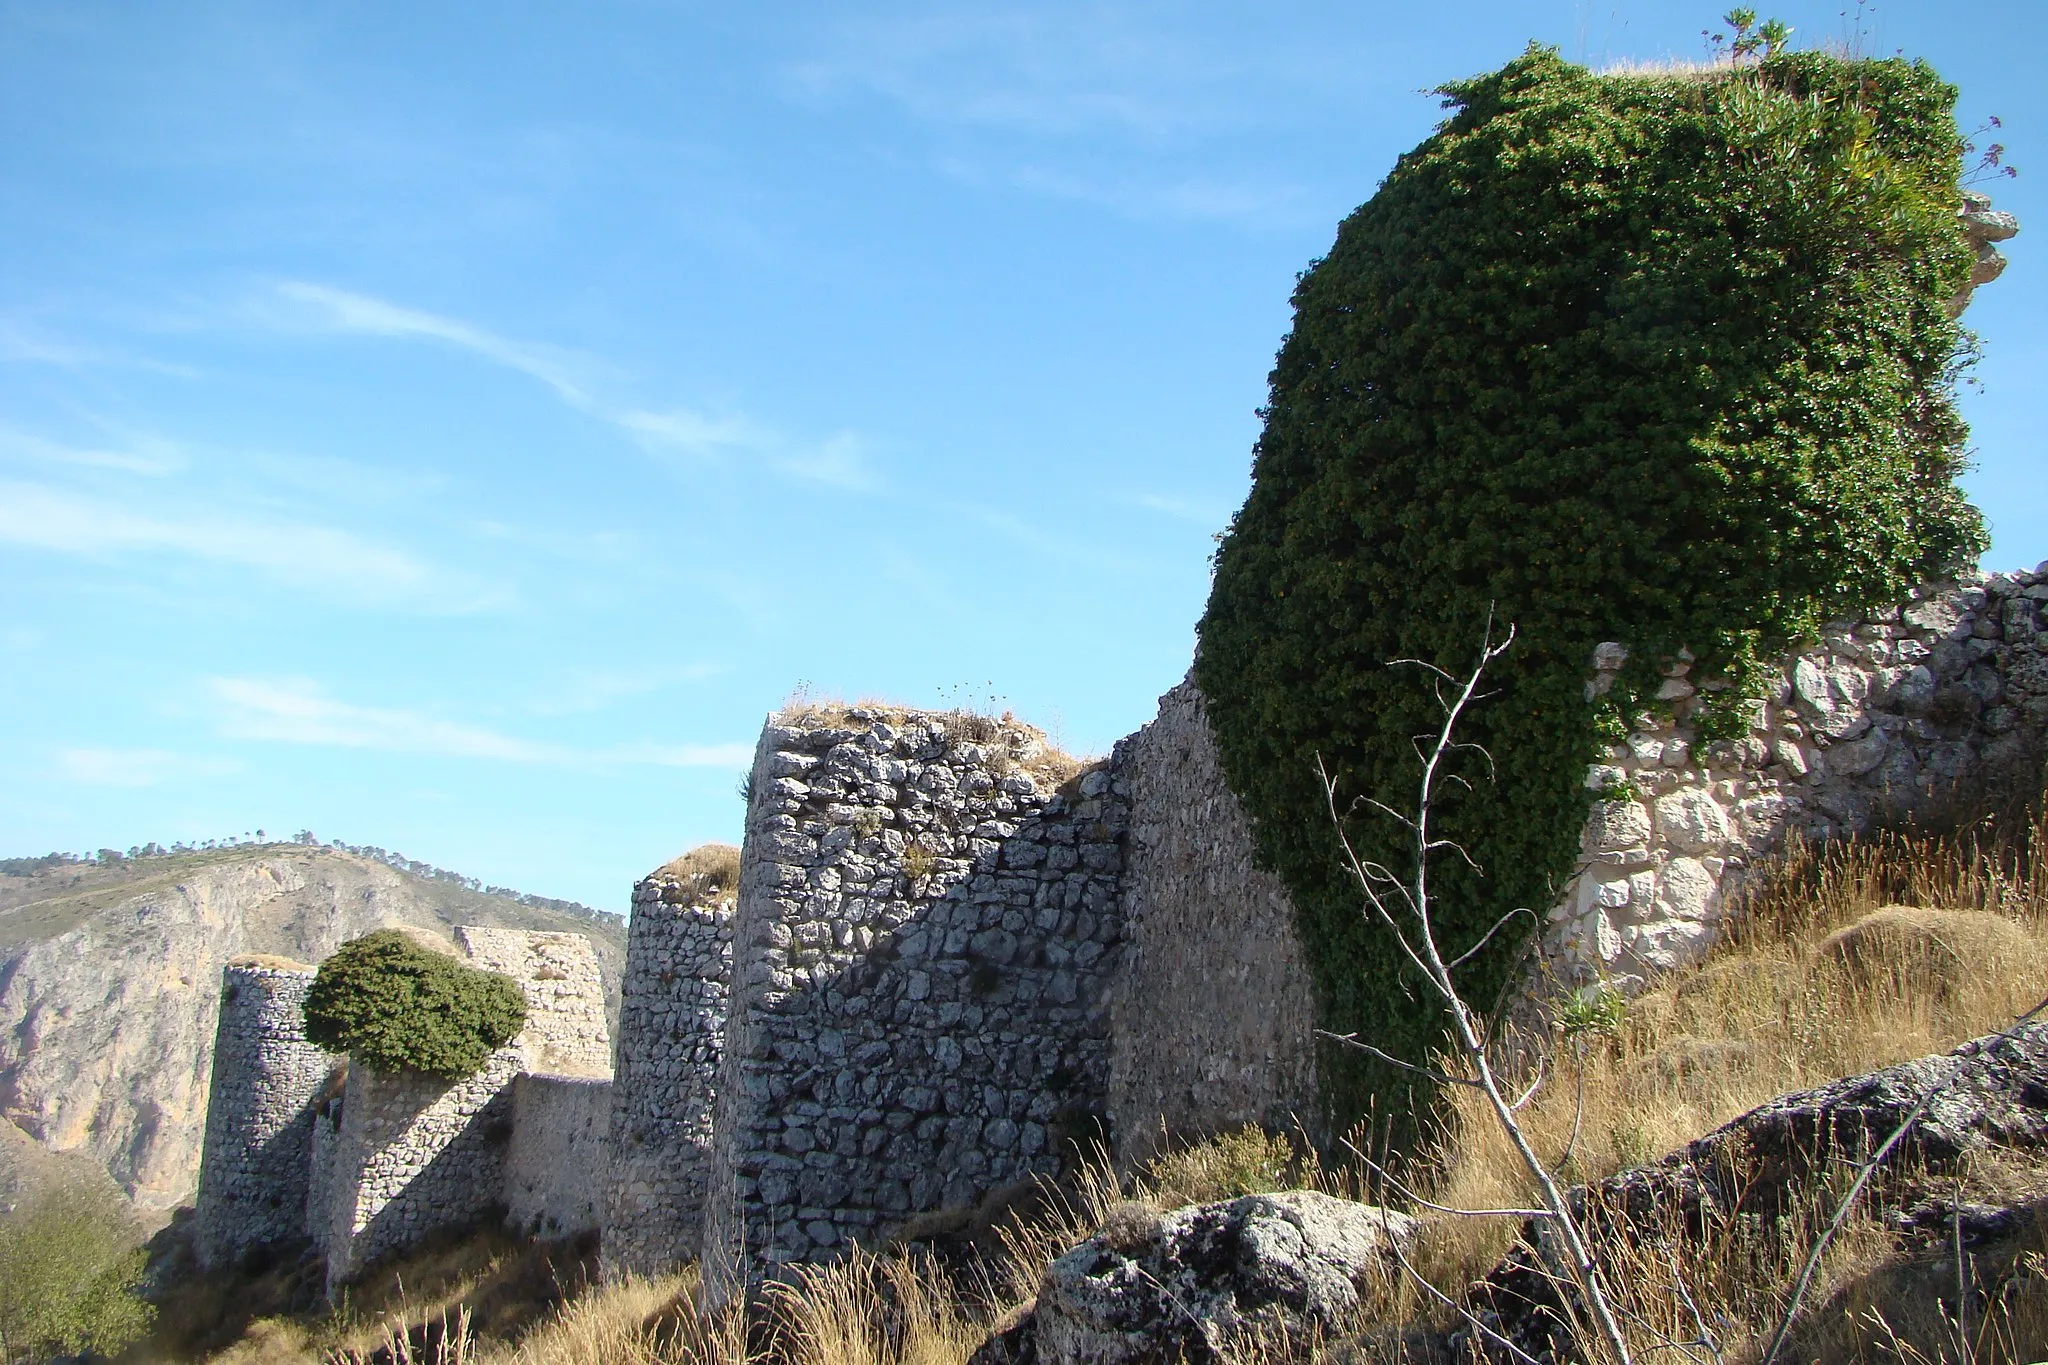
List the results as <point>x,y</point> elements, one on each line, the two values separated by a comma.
<point>1660,359</point>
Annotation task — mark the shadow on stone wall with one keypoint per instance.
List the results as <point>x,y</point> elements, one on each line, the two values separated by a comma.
<point>416,1155</point>
<point>926,933</point>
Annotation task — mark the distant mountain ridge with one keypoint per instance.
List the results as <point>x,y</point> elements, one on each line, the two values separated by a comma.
<point>110,971</point>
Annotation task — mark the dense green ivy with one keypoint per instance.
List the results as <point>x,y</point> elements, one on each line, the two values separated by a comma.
<point>393,1005</point>
<point>1661,359</point>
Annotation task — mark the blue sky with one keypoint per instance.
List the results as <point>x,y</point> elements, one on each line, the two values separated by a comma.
<point>452,427</point>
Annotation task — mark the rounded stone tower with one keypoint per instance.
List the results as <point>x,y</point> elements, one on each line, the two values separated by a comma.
<point>259,1113</point>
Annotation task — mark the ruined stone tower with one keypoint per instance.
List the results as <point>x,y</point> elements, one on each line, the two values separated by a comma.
<point>259,1121</point>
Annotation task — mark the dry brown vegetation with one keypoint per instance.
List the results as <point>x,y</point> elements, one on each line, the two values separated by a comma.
<point>1841,960</point>
<point>710,870</point>
<point>1011,743</point>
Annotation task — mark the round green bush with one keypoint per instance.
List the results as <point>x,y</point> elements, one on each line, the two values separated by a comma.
<point>1662,359</point>
<point>393,1005</point>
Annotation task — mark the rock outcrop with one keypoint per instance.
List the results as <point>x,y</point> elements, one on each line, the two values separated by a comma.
<point>1200,1283</point>
<point>1990,1093</point>
<point>108,994</point>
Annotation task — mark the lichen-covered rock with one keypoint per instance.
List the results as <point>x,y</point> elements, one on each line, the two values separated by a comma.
<point>1282,1268</point>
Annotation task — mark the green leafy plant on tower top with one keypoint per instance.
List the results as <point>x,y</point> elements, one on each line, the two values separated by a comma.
<point>393,1005</point>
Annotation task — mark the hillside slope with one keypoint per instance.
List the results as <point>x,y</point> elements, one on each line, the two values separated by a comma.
<point>109,976</point>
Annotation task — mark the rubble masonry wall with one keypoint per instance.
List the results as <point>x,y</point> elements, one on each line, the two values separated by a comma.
<point>924,943</point>
<point>554,1180</point>
<point>259,1113</point>
<point>671,1038</point>
<point>1214,1011</point>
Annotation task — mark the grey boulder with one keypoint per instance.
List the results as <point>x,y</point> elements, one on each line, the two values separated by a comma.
<point>1190,1284</point>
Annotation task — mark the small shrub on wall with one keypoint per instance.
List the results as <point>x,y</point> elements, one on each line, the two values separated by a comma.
<point>1660,358</point>
<point>393,1005</point>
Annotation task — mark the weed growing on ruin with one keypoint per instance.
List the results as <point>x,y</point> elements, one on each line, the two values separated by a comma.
<point>918,861</point>
<point>1245,1160</point>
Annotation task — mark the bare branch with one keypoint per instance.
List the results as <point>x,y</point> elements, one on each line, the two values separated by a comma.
<point>1578,1111</point>
<point>1454,846</point>
<point>1472,1320</point>
<point>1352,1040</point>
<point>1417,942</point>
<point>1462,958</point>
<point>1542,1071</point>
<point>1423,664</point>
<point>1706,1338</point>
<point>1384,809</point>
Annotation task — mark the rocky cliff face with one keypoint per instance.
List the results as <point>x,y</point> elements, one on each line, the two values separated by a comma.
<point>109,986</point>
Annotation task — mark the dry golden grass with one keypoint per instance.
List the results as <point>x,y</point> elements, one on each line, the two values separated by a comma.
<point>711,869</point>
<point>269,960</point>
<point>1839,961</point>
<point>1012,743</point>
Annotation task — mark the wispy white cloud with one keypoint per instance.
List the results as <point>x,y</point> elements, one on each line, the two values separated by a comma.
<point>837,463</point>
<point>153,457</point>
<point>689,433</point>
<point>298,712</point>
<point>42,517</point>
<point>574,377</point>
<point>20,346</point>
<point>134,767</point>
<point>563,371</point>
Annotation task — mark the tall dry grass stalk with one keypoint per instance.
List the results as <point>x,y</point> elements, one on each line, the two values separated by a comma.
<point>1838,960</point>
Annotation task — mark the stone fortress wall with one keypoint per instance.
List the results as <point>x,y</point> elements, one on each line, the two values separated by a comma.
<point>671,1038</point>
<point>1213,1010</point>
<point>253,1177</point>
<point>413,1155</point>
<point>926,932</point>
<point>391,1158</point>
<point>1890,714</point>
<point>953,951</point>
<point>556,1172</point>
